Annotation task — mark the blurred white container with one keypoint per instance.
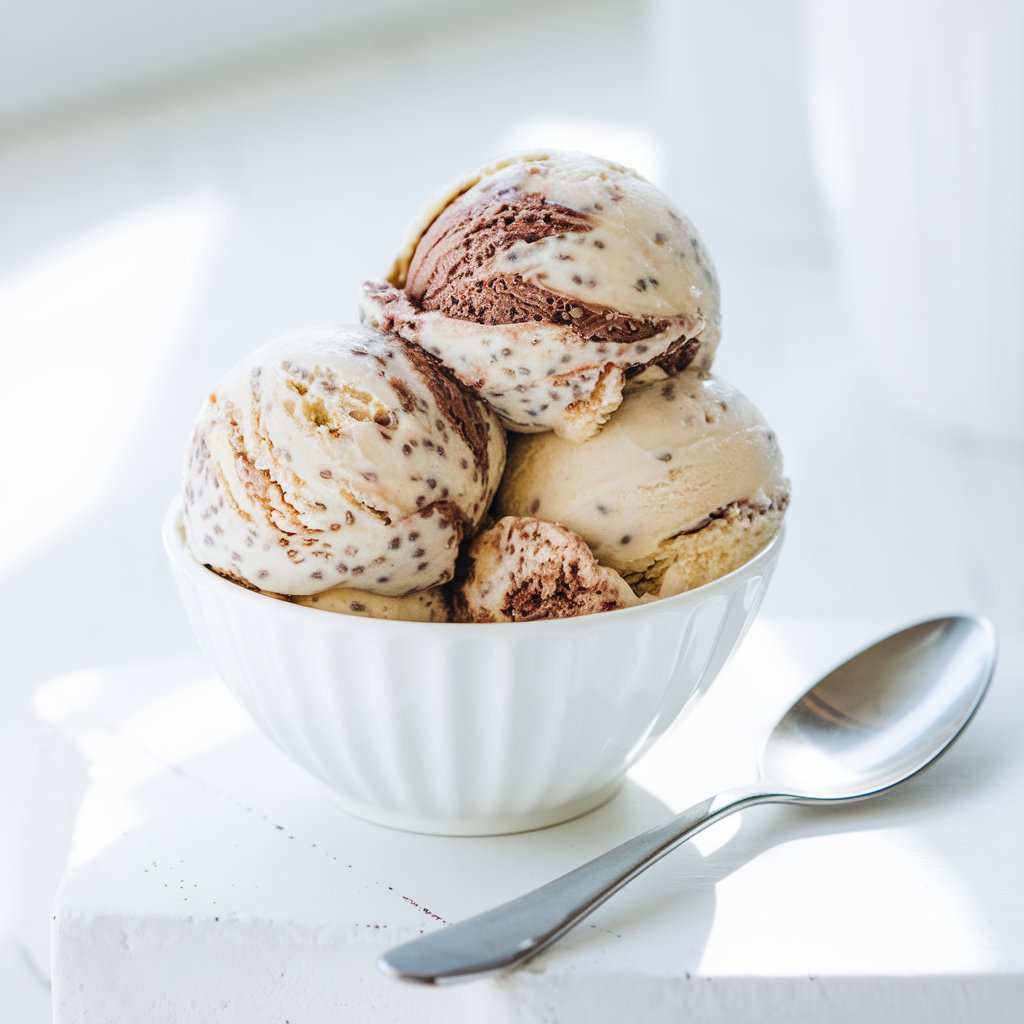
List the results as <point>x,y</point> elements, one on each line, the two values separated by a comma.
<point>726,107</point>
<point>917,108</point>
<point>466,729</point>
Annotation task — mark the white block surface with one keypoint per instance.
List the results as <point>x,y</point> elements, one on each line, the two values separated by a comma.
<point>208,879</point>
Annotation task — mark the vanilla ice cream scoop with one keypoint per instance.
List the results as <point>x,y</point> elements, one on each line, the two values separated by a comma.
<point>523,569</point>
<point>683,485</point>
<point>338,456</point>
<point>545,280</point>
<point>422,606</point>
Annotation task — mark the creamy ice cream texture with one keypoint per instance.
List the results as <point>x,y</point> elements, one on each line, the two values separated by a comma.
<point>423,606</point>
<point>545,280</point>
<point>334,456</point>
<point>681,486</point>
<point>523,569</point>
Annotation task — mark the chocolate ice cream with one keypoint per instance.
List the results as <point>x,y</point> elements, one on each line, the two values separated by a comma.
<point>545,280</point>
<point>524,569</point>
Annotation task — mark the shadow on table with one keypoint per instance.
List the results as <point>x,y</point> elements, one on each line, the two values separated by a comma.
<point>669,912</point>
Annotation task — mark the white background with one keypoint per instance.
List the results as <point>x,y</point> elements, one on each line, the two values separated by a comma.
<point>178,184</point>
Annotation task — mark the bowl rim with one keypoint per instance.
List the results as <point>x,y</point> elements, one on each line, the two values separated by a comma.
<point>202,577</point>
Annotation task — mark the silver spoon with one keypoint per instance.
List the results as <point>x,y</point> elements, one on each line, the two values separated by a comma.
<point>870,724</point>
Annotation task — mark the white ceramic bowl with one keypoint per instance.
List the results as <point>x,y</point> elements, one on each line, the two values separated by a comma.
<point>466,729</point>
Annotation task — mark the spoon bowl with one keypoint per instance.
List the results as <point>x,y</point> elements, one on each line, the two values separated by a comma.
<point>869,725</point>
<point>883,715</point>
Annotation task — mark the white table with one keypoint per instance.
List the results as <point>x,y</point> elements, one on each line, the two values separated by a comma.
<point>206,878</point>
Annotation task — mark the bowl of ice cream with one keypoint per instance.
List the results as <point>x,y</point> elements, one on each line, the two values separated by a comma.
<point>465,562</point>
<point>465,728</point>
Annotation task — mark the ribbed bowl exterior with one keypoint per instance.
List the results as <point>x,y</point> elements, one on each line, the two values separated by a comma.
<point>466,729</point>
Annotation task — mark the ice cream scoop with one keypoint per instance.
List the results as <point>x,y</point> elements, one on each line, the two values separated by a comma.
<point>683,484</point>
<point>524,569</point>
<point>337,456</point>
<point>545,280</point>
<point>422,606</point>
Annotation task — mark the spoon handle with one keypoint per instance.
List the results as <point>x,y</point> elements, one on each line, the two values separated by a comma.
<point>513,933</point>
